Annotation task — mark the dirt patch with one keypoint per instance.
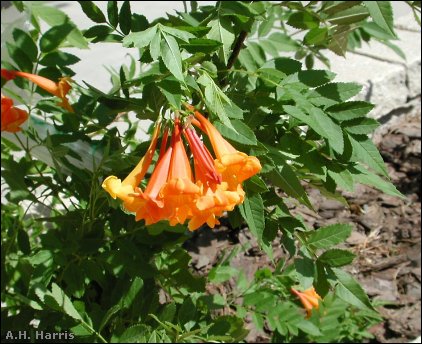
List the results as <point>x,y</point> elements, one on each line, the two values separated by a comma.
<point>386,239</point>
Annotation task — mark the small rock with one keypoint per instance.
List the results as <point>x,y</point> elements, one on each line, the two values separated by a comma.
<point>356,238</point>
<point>330,204</point>
<point>372,216</point>
<point>412,131</point>
<point>413,148</point>
<point>390,201</point>
<point>202,262</point>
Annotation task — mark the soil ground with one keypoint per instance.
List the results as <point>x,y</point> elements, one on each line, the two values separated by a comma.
<point>386,239</point>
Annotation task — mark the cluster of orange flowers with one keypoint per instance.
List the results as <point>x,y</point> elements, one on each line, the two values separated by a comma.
<point>12,117</point>
<point>309,299</point>
<point>176,194</point>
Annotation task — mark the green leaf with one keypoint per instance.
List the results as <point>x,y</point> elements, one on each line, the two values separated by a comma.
<point>266,26</point>
<point>314,78</point>
<point>64,302</point>
<point>336,257</point>
<point>252,57</point>
<point>285,178</point>
<point>19,5</point>
<point>321,123</point>
<point>228,326</point>
<point>135,334</point>
<point>316,36</point>
<point>332,93</point>
<point>328,236</point>
<point>360,126</point>
<point>243,133</point>
<point>216,100</point>
<point>331,7</point>
<point>23,241</point>
<point>256,184</point>
<point>278,42</point>
<point>154,48</point>
<point>365,151</point>
<point>339,40</point>
<point>321,281</point>
<point>53,17</point>
<point>25,42</point>
<point>168,312</point>
<point>305,271</point>
<point>181,34</point>
<point>350,291</point>
<point>125,18</point>
<point>395,48</point>
<point>284,64</point>
<point>139,22</point>
<point>202,45</point>
<point>342,177</point>
<point>133,291</point>
<point>172,91</point>
<point>98,31</point>
<point>222,31</point>
<point>309,328</point>
<point>309,61</point>
<point>221,273</point>
<point>252,210</point>
<point>92,11</point>
<point>351,15</point>
<point>54,37</point>
<point>349,110</point>
<point>382,14</point>
<point>19,57</point>
<point>187,313</point>
<point>303,20</point>
<point>374,30</point>
<point>113,13</point>
<point>171,57</point>
<point>140,39</point>
<point>59,58</point>
<point>363,176</point>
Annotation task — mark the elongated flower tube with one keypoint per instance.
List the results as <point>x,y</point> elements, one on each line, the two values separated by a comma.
<point>235,166</point>
<point>215,198</point>
<point>205,162</point>
<point>127,189</point>
<point>309,299</point>
<point>149,206</point>
<point>180,192</point>
<point>11,117</point>
<point>59,89</point>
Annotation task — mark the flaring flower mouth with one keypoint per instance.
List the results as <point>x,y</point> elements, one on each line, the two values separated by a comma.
<point>11,117</point>
<point>235,166</point>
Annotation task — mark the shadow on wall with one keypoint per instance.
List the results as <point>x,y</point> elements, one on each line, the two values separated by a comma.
<point>5,4</point>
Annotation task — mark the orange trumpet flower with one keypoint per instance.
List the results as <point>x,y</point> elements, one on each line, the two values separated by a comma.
<point>149,207</point>
<point>216,198</point>
<point>11,117</point>
<point>59,89</point>
<point>180,192</point>
<point>127,189</point>
<point>235,166</point>
<point>309,299</point>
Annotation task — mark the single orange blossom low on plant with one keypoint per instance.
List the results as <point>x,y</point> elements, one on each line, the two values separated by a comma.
<point>309,299</point>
